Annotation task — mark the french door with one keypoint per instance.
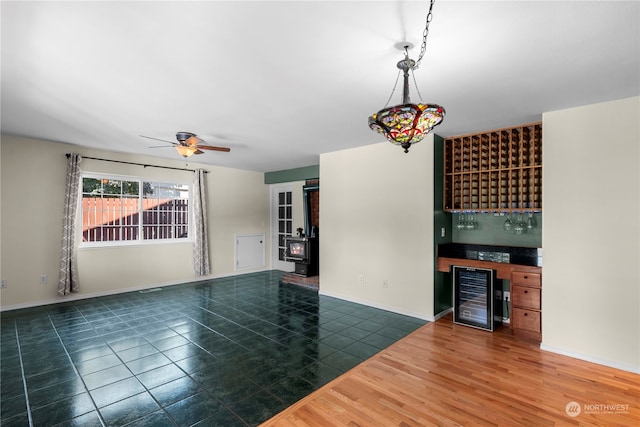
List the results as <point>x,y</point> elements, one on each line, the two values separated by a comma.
<point>281,225</point>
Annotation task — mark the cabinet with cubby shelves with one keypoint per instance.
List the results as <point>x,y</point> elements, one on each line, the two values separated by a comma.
<point>494,171</point>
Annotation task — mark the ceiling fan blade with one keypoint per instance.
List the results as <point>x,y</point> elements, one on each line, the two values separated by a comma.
<point>158,139</point>
<point>198,152</point>
<point>160,146</point>
<point>213,148</point>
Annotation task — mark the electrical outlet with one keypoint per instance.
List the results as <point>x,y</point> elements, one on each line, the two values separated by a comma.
<point>506,296</point>
<point>385,283</point>
<point>443,232</point>
<point>43,279</point>
<point>361,279</point>
<point>3,284</point>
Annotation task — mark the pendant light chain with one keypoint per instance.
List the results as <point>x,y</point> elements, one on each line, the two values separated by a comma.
<point>415,83</point>
<point>392,91</point>
<point>425,33</point>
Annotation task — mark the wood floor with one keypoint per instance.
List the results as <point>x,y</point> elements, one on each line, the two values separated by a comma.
<point>449,375</point>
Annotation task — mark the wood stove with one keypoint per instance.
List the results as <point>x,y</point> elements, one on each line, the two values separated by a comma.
<point>303,251</point>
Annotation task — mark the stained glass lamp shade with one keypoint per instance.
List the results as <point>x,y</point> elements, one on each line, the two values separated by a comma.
<point>407,123</point>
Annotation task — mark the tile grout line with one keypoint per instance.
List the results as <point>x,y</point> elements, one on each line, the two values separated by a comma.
<point>191,318</point>
<point>73,366</point>
<point>224,405</point>
<point>115,353</point>
<point>24,379</point>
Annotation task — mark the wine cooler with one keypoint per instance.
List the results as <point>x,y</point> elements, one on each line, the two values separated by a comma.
<point>477,298</point>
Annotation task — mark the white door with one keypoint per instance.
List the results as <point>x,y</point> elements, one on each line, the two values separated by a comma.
<point>281,225</point>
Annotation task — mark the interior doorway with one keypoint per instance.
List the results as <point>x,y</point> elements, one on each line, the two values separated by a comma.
<point>311,197</point>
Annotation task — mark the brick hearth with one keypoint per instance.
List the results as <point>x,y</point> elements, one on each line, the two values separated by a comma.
<point>312,282</point>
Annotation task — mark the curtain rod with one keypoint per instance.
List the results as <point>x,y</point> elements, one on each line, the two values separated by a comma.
<point>137,164</point>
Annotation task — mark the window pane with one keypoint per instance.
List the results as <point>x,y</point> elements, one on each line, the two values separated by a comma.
<point>165,205</point>
<point>130,188</point>
<point>110,233</point>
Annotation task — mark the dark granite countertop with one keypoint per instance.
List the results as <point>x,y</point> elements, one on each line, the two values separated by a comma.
<point>501,254</point>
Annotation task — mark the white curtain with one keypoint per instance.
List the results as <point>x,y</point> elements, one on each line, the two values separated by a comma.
<point>201,239</point>
<point>68,280</point>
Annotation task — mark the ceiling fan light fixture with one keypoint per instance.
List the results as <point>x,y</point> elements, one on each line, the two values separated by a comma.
<point>186,151</point>
<point>189,144</point>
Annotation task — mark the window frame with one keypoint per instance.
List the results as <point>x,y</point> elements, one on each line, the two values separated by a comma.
<point>140,233</point>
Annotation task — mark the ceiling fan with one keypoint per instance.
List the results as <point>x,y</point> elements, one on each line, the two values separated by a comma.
<point>189,144</point>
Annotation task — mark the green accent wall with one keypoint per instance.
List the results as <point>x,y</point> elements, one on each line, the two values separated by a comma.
<point>490,231</point>
<point>292,175</point>
<point>442,284</point>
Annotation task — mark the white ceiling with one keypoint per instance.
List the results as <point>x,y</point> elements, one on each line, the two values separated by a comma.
<point>280,82</point>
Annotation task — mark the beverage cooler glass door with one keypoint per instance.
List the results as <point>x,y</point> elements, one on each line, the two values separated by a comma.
<point>475,300</point>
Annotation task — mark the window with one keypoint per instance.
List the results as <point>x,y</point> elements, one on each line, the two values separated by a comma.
<point>118,210</point>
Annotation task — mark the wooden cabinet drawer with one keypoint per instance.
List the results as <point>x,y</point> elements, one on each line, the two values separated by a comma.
<point>524,278</point>
<point>526,319</point>
<point>525,297</point>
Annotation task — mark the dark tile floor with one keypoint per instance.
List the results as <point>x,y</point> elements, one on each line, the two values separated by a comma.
<point>226,352</point>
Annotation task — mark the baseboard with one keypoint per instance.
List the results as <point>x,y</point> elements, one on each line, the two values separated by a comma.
<point>586,358</point>
<point>81,296</point>
<point>443,313</point>
<point>377,305</point>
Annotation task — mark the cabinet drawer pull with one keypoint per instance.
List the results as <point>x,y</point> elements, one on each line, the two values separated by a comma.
<point>526,314</point>
<point>526,277</point>
<point>526,292</point>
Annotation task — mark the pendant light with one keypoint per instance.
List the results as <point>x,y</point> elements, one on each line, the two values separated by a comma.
<point>408,123</point>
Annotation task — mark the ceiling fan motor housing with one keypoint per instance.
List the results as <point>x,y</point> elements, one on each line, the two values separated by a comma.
<point>183,136</point>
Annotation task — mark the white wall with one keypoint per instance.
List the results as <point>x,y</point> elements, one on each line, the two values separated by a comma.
<point>591,233</point>
<point>33,176</point>
<point>376,216</point>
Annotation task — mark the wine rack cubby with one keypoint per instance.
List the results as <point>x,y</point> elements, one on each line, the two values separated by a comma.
<point>494,171</point>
